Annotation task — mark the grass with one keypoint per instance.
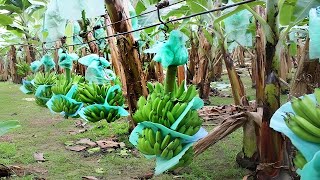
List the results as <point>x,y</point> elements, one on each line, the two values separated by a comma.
<point>44,132</point>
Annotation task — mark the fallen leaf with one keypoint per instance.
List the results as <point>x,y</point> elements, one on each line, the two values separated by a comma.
<point>38,157</point>
<point>122,144</point>
<point>124,153</point>
<point>73,132</point>
<point>94,150</point>
<point>99,170</point>
<point>86,141</point>
<point>76,148</point>
<point>89,178</point>
<point>69,143</point>
<point>29,99</point>
<point>107,144</point>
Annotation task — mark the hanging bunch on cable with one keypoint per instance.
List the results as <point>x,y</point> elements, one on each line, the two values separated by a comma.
<point>101,93</point>
<point>64,89</point>
<point>168,121</point>
<point>40,83</point>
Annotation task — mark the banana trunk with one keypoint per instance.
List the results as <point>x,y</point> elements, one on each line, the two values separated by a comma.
<point>270,142</point>
<point>128,55</point>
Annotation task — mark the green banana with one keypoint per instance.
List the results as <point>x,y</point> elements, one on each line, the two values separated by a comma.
<point>317,95</point>
<point>164,153</point>
<point>157,149</point>
<point>150,87</point>
<point>177,150</point>
<point>300,132</point>
<point>151,137</point>
<point>179,111</point>
<point>308,106</point>
<point>158,137</point>
<point>180,91</point>
<point>305,124</point>
<point>170,154</point>
<point>165,141</point>
<point>141,102</point>
<point>170,117</point>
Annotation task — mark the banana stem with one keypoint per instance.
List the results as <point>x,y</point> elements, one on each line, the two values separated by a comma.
<point>170,79</point>
<point>68,74</point>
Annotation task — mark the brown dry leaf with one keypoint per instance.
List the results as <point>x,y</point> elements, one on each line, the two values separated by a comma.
<point>107,144</point>
<point>39,157</point>
<point>76,148</point>
<point>86,141</point>
<point>74,132</point>
<point>89,178</point>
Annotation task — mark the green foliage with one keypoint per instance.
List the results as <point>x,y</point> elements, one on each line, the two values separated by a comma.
<point>5,126</point>
<point>294,11</point>
<point>23,68</point>
<point>5,20</point>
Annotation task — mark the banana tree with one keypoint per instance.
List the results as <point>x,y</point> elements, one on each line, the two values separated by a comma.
<point>271,143</point>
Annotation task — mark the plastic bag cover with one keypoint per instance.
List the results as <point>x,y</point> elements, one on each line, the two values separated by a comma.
<point>314,33</point>
<point>171,52</point>
<point>72,9</point>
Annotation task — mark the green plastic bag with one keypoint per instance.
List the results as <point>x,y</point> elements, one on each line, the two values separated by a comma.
<point>76,31</point>
<point>66,60</point>
<point>311,170</point>
<point>171,52</point>
<point>96,71</point>
<point>35,66</point>
<point>48,62</point>
<point>314,33</point>
<point>99,35</point>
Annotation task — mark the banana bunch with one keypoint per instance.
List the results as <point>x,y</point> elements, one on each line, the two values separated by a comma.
<point>299,160</point>
<point>161,110</point>
<point>185,160</point>
<point>96,113</point>
<point>63,86</point>
<point>179,93</point>
<point>190,124</point>
<point>116,98</point>
<point>154,143</point>
<point>45,78</point>
<point>60,104</point>
<point>44,97</point>
<point>305,123</point>
<point>92,93</point>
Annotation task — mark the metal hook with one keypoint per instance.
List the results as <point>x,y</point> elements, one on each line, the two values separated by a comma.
<point>159,6</point>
